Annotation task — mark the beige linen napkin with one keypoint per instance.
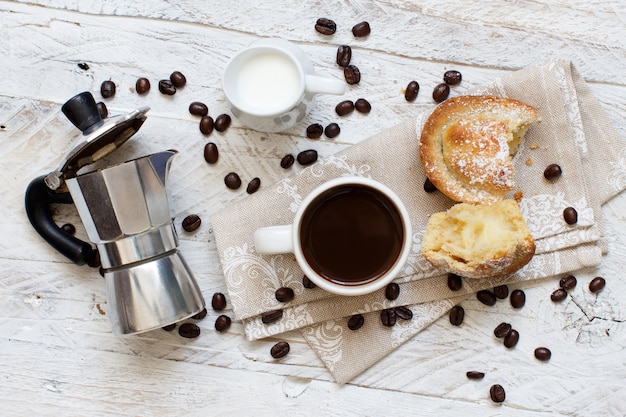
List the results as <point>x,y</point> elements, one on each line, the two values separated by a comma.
<point>573,131</point>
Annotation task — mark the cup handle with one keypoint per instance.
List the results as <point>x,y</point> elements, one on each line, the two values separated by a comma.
<point>274,239</point>
<point>323,85</point>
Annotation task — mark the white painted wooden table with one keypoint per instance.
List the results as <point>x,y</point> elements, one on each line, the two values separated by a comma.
<point>57,353</point>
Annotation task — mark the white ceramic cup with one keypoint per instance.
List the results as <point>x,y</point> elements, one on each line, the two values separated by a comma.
<point>270,85</point>
<point>292,239</point>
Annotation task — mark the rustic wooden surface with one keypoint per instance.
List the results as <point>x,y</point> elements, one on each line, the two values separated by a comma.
<point>57,353</point>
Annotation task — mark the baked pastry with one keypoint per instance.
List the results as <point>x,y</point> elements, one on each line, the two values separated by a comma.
<point>479,240</point>
<point>467,143</point>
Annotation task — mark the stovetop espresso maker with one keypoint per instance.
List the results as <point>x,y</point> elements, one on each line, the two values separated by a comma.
<point>125,212</point>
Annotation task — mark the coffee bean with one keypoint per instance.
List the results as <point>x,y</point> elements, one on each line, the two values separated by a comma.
<point>198,109</point>
<point>253,185</point>
<point>232,180</point>
<point>441,92</point>
<point>543,353</point>
<point>178,79</point>
<point>325,26</point>
<point>392,291</point>
<point>344,55</point>
<point>69,228</point>
<point>497,393</point>
<point>307,157</point>
<point>475,375</point>
<point>361,29</point>
<point>356,322</point>
<point>570,215</point>
<point>517,298</point>
<point>552,172</point>
<point>452,77</point>
<point>169,327</point>
<point>455,282</point>
<point>456,315</point>
<point>189,330</point>
<point>597,284</point>
<point>501,291</point>
<point>211,153</point>
<point>222,122</point>
<point>404,313</point>
<point>511,339</point>
<point>271,316</point>
<point>332,130</point>
<point>222,323</point>
<point>568,282</point>
<point>107,89</point>
<point>166,87</point>
<point>191,223</point>
<point>200,315</point>
<point>344,108</point>
<point>284,294</point>
<point>280,350</point>
<point>502,330</point>
<point>142,86</point>
<point>411,91</point>
<point>206,125</point>
<point>218,301</point>
<point>314,131</point>
<point>362,106</point>
<point>388,317</point>
<point>352,74</point>
<point>287,161</point>
<point>558,295</point>
<point>486,297</point>
<point>102,110</point>
<point>429,187</point>
<point>307,283</point>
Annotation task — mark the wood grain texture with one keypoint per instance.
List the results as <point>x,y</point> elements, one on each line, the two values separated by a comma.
<point>58,354</point>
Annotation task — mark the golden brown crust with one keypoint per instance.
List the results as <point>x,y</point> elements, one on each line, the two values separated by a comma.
<point>467,143</point>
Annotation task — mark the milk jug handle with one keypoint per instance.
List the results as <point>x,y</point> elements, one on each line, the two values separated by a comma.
<point>323,85</point>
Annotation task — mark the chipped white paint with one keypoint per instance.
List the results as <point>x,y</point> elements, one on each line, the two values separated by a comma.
<point>58,356</point>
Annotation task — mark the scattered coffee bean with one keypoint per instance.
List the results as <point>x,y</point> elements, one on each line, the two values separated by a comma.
<point>352,74</point>
<point>392,291</point>
<point>486,297</point>
<point>501,291</point>
<point>344,55</point>
<point>253,185</point>
<point>102,110</point>
<point>411,91</point>
<point>518,298</point>
<point>69,228</point>
<point>332,130</point>
<point>325,26</point>
<point>361,29</point>
<point>362,106</point>
<point>107,89</point>
<point>511,339</point>
<point>441,92</point>
<point>456,315</point>
<point>558,295</point>
<point>201,315</point>
<point>597,284</point>
<point>166,87</point>
<point>189,330</point>
<point>198,109</point>
<point>543,353</point>
<point>232,180</point>
<point>287,161</point>
<point>568,282</point>
<point>218,301</point>
<point>570,215</point>
<point>502,330</point>
<point>284,294</point>
<point>475,375</point>
<point>388,317</point>
<point>404,313</point>
<point>497,393</point>
<point>429,187</point>
<point>191,223</point>
<point>307,283</point>
<point>211,153</point>
<point>356,322</point>
<point>271,316</point>
<point>280,350</point>
<point>552,172</point>
<point>83,65</point>
<point>142,86</point>
<point>206,125</point>
<point>169,327</point>
<point>452,77</point>
<point>222,122</point>
<point>344,108</point>
<point>314,131</point>
<point>178,79</point>
<point>307,157</point>
<point>222,323</point>
<point>455,282</point>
